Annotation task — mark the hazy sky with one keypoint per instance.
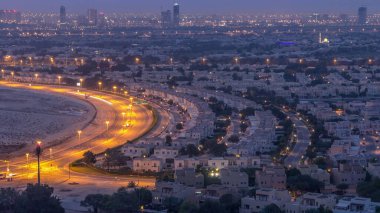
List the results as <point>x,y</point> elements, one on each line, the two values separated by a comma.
<point>196,6</point>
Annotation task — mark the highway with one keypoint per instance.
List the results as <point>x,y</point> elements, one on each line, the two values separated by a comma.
<point>97,136</point>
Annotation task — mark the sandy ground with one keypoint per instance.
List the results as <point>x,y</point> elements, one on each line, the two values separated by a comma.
<point>27,116</point>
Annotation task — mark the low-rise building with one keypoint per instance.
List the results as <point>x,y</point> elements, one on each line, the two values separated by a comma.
<point>165,153</point>
<point>169,189</point>
<point>189,177</point>
<point>263,198</point>
<point>355,204</point>
<point>234,178</point>
<point>347,173</point>
<point>271,177</point>
<point>311,201</point>
<point>134,151</point>
<point>147,165</point>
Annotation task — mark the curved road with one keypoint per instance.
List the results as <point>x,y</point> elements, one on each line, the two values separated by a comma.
<point>95,137</point>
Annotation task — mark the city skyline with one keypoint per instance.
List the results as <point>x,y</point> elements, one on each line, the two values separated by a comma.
<point>197,6</point>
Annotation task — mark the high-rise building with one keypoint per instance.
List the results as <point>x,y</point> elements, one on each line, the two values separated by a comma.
<point>62,15</point>
<point>362,15</point>
<point>102,22</point>
<point>176,16</point>
<point>92,16</point>
<point>166,18</point>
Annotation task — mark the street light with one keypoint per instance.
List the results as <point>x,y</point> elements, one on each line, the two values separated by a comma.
<point>27,160</point>
<point>59,79</point>
<point>130,111</point>
<point>204,60</point>
<point>123,113</point>
<point>137,60</point>
<point>81,82</point>
<point>79,133</point>
<point>50,153</point>
<point>36,76</point>
<point>114,89</point>
<point>267,61</point>
<point>100,85</point>
<point>236,59</point>
<point>8,169</point>
<point>107,124</point>
<point>38,153</point>
<point>30,60</point>
<point>13,74</point>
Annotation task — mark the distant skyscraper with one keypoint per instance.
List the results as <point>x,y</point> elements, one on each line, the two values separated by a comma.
<point>102,22</point>
<point>166,18</point>
<point>362,16</point>
<point>92,16</point>
<point>62,15</point>
<point>344,18</point>
<point>82,21</point>
<point>10,16</point>
<point>176,16</point>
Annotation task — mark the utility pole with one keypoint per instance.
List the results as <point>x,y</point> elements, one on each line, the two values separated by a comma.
<point>38,153</point>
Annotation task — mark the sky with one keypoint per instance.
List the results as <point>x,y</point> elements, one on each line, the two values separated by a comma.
<point>197,6</point>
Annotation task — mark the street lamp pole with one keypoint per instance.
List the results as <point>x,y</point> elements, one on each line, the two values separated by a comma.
<point>27,160</point>
<point>107,124</point>
<point>38,153</point>
<point>79,133</point>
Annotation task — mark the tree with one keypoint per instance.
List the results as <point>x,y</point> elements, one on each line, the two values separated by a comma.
<point>36,199</point>
<point>233,139</point>
<point>96,202</point>
<point>144,195</point>
<point>114,158</point>
<point>293,172</point>
<point>370,189</point>
<point>190,150</point>
<point>131,184</point>
<point>188,207</point>
<point>303,183</point>
<point>243,127</point>
<point>211,207</point>
<point>272,208</point>
<point>123,201</point>
<point>172,204</point>
<point>179,126</point>
<point>8,198</point>
<point>218,149</point>
<point>230,202</point>
<point>168,140</point>
<point>89,158</point>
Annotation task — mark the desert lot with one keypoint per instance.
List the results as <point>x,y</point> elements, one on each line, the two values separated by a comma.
<point>27,116</point>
